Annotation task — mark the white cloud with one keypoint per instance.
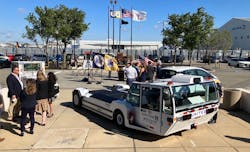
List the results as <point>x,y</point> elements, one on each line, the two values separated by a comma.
<point>21,10</point>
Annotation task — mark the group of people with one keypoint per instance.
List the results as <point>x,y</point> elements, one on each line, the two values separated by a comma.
<point>35,97</point>
<point>141,72</point>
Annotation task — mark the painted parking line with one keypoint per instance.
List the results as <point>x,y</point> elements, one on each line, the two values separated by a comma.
<point>57,72</point>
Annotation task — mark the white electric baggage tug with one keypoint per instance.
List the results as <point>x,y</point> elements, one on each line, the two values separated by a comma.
<point>161,108</point>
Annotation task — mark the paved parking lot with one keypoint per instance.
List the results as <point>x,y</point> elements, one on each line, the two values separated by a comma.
<point>77,129</point>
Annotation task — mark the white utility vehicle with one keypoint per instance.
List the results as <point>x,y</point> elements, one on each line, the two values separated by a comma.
<point>161,108</point>
<point>28,69</point>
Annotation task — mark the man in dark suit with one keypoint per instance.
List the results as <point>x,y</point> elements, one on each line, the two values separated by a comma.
<point>15,87</point>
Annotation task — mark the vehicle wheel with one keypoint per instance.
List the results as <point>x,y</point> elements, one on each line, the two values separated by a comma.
<point>76,99</point>
<point>119,119</point>
<point>237,65</point>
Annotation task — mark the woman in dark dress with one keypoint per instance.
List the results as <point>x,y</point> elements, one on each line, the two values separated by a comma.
<point>28,104</point>
<point>142,75</point>
<point>53,90</point>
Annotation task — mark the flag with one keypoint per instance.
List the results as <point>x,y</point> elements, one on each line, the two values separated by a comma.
<point>126,13</point>
<point>98,61</point>
<point>110,63</point>
<point>115,14</point>
<point>124,22</point>
<point>139,15</point>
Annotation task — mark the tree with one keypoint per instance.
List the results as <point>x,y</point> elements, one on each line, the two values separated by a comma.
<point>173,34</point>
<point>69,25</point>
<point>60,23</point>
<point>41,25</point>
<point>219,40</point>
<point>207,24</point>
<point>188,31</point>
<point>197,30</point>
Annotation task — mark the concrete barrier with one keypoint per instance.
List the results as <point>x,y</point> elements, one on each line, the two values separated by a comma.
<point>231,99</point>
<point>245,100</point>
<point>240,99</point>
<point>6,100</point>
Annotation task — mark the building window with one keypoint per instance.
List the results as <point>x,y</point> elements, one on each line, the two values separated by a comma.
<point>248,37</point>
<point>235,37</point>
<point>241,37</point>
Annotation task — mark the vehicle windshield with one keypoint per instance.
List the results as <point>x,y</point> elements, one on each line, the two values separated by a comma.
<point>32,67</point>
<point>190,96</point>
<point>166,74</point>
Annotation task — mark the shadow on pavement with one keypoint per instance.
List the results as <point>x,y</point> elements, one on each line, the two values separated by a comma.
<point>240,114</point>
<point>111,127</point>
<point>10,127</point>
<point>247,140</point>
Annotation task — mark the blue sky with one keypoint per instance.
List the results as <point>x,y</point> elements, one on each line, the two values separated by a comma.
<point>13,12</point>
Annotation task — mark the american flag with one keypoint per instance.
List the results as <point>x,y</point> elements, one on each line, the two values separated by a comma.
<point>126,13</point>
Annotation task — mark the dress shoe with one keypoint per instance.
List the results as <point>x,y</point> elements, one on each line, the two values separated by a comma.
<point>22,134</point>
<point>42,124</point>
<point>51,115</point>
<point>31,132</point>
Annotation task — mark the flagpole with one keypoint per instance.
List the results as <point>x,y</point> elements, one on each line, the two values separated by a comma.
<point>120,32</point>
<point>131,33</point>
<point>108,28</point>
<point>113,30</point>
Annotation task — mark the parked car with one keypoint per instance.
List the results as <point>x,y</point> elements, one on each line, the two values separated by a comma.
<point>239,62</point>
<point>166,59</point>
<point>4,63</point>
<point>11,57</point>
<point>168,72</point>
<point>20,57</point>
<point>39,57</point>
<point>153,57</point>
<point>180,58</point>
<point>4,56</point>
<point>211,59</point>
<point>59,58</point>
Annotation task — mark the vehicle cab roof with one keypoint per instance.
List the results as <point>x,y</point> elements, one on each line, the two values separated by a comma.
<point>180,68</point>
<point>179,79</point>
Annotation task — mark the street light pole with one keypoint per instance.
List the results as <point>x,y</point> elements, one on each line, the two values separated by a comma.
<point>57,65</point>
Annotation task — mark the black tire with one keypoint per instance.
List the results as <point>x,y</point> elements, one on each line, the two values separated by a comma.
<point>119,118</point>
<point>76,99</point>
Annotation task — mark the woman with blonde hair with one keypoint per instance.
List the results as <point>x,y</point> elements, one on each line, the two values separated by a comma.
<point>42,95</point>
<point>28,104</point>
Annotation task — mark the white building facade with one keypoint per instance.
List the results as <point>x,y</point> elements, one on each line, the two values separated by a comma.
<point>125,45</point>
<point>239,29</point>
